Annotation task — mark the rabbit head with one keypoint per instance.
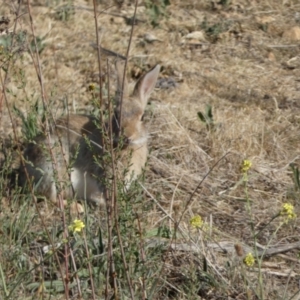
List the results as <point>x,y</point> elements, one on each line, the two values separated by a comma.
<point>132,107</point>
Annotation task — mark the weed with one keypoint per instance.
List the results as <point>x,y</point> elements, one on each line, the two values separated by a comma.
<point>40,41</point>
<point>156,10</point>
<point>207,118</point>
<point>213,31</point>
<point>65,12</point>
<point>31,121</point>
<point>225,3</point>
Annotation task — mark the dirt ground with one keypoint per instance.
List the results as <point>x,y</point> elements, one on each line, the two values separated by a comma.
<point>241,57</point>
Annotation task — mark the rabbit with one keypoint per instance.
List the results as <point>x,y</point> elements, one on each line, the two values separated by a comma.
<point>75,141</point>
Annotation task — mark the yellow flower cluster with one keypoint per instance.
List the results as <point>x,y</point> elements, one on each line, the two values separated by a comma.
<point>76,226</point>
<point>249,260</point>
<point>288,211</point>
<point>196,221</point>
<point>246,165</point>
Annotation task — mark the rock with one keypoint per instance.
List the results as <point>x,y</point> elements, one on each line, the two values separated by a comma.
<point>196,35</point>
<point>264,20</point>
<point>292,34</point>
<point>150,38</point>
<point>293,63</point>
<point>271,56</point>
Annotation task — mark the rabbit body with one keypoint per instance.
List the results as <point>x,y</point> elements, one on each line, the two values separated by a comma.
<point>76,145</point>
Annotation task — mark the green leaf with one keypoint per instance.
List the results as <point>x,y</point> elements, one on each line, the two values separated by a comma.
<point>205,269</point>
<point>201,117</point>
<point>296,177</point>
<point>209,112</point>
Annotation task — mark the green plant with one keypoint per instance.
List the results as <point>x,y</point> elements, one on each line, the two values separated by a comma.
<point>40,44</point>
<point>65,12</point>
<point>157,9</point>
<point>207,117</point>
<point>279,220</point>
<point>225,3</point>
<point>20,40</point>
<point>213,31</point>
<point>31,122</point>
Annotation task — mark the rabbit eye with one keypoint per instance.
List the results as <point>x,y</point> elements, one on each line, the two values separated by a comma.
<point>142,117</point>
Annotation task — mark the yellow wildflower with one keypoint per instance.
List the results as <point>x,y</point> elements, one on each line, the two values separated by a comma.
<point>249,260</point>
<point>246,165</point>
<point>92,87</point>
<point>76,226</point>
<point>288,211</point>
<point>196,221</point>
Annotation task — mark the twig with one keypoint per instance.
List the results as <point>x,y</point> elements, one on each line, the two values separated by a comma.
<point>143,256</point>
<point>125,66</point>
<point>9,60</point>
<point>89,265</point>
<point>102,128</point>
<point>283,46</point>
<point>128,20</point>
<point>48,138</point>
<point>107,51</point>
<point>113,198</point>
<point>75,270</point>
<point>99,63</point>
<point>191,201</point>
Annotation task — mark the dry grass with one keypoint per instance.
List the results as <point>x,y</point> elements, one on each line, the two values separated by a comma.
<point>245,70</point>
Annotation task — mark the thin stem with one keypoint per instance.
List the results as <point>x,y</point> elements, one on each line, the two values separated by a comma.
<point>99,65</point>
<point>110,274</point>
<point>75,270</point>
<point>89,265</point>
<point>10,51</point>
<point>115,193</point>
<point>48,138</point>
<point>190,200</point>
<point>143,256</point>
<point>125,65</point>
<point>3,281</point>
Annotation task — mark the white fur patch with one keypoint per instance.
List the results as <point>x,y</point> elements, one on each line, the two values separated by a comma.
<point>86,187</point>
<point>139,141</point>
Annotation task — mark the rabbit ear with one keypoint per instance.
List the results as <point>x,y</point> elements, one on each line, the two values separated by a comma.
<point>120,72</point>
<point>146,84</point>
